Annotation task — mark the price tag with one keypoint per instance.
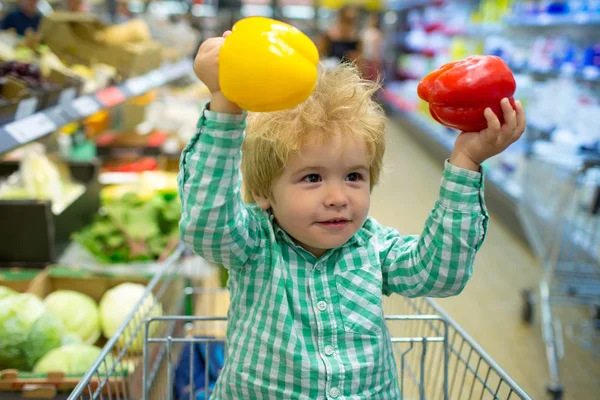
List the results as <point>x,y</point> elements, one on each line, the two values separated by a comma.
<point>138,85</point>
<point>31,128</point>
<point>156,78</point>
<point>182,68</point>
<point>26,107</point>
<point>581,18</point>
<point>591,73</point>
<point>67,96</point>
<point>110,96</point>
<point>167,72</point>
<point>544,19</point>
<point>86,106</point>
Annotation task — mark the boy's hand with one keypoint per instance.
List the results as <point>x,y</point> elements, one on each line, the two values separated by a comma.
<point>472,148</point>
<point>206,67</point>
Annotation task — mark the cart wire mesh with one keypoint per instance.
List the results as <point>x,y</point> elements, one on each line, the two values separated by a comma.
<point>118,372</point>
<point>436,359</point>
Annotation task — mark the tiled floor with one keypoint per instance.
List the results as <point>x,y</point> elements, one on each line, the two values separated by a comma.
<point>489,308</point>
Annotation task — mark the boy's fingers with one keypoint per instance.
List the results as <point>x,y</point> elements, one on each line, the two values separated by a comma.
<point>226,33</point>
<point>215,45</point>
<point>510,115</point>
<point>492,121</point>
<point>209,44</point>
<point>521,120</point>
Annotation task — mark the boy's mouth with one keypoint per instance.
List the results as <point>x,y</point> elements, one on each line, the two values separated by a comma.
<point>335,222</point>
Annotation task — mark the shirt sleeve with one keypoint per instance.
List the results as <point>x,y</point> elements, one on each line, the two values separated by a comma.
<point>439,262</point>
<point>215,222</point>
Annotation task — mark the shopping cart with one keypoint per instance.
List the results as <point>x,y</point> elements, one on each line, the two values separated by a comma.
<point>560,211</point>
<point>436,358</point>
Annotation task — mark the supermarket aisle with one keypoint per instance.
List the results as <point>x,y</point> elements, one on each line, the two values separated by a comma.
<point>489,308</point>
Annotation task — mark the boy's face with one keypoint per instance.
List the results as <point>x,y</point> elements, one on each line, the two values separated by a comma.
<point>322,197</point>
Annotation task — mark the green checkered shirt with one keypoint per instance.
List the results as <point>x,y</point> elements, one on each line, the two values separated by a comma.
<point>307,328</point>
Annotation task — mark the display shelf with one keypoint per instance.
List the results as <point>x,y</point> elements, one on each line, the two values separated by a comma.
<point>502,194</point>
<point>580,76</point>
<point>40,124</point>
<point>546,20</point>
<point>396,5</point>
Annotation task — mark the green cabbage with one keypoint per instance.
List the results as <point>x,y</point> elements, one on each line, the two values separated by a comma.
<point>78,313</point>
<point>116,305</point>
<point>46,334</point>
<point>70,338</point>
<point>72,359</point>
<point>6,292</point>
<point>18,313</point>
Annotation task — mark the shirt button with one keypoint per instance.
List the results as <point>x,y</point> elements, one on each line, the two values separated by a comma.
<point>334,392</point>
<point>329,350</point>
<point>322,306</point>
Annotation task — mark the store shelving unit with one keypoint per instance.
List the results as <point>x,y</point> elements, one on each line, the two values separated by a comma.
<point>554,20</point>
<point>42,123</point>
<point>397,5</point>
<point>503,193</point>
<point>578,76</point>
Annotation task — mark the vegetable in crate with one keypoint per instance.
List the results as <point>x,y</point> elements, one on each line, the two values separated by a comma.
<point>116,305</point>
<point>6,292</point>
<point>134,229</point>
<point>72,359</point>
<point>46,334</point>
<point>78,313</point>
<point>26,331</point>
<point>17,316</point>
<point>459,92</point>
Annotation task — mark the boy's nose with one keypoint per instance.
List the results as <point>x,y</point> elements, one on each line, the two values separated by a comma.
<point>336,196</point>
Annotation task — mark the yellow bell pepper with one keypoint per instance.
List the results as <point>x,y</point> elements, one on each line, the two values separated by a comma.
<point>266,65</point>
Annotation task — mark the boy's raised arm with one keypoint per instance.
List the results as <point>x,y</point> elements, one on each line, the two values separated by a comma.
<point>439,262</point>
<point>215,221</point>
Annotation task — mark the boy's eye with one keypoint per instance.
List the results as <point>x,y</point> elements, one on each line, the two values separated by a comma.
<point>312,178</point>
<point>354,177</point>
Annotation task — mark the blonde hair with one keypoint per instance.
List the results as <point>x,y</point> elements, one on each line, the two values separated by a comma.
<point>342,102</point>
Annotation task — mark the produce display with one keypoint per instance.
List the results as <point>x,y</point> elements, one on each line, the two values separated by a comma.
<point>51,329</point>
<point>458,92</point>
<point>256,43</point>
<point>41,177</point>
<point>30,74</point>
<point>60,333</point>
<point>133,31</point>
<point>35,62</point>
<point>138,222</point>
<point>78,313</point>
<point>118,303</point>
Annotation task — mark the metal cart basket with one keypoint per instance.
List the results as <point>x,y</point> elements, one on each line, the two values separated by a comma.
<point>560,212</point>
<point>436,358</point>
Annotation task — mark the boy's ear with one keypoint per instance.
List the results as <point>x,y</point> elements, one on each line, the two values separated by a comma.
<point>263,202</point>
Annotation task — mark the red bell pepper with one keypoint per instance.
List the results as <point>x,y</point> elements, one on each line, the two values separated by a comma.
<point>458,92</point>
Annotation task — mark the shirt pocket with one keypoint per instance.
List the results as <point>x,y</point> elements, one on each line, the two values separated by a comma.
<point>359,292</point>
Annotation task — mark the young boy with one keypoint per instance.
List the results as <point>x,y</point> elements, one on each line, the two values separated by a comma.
<point>307,266</point>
